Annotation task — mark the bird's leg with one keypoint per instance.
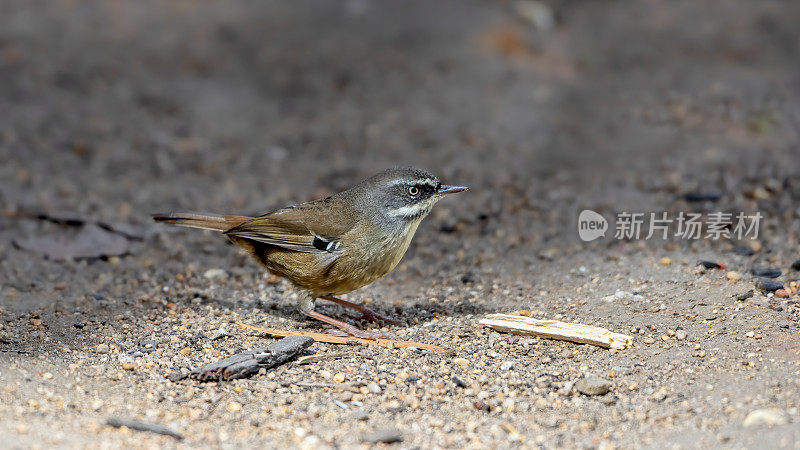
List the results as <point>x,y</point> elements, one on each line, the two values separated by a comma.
<point>366,313</point>
<point>347,328</point>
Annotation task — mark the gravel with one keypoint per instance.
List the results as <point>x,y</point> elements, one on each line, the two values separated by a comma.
<point>593,385</point>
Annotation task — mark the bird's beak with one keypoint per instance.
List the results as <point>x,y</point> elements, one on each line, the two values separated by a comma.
<point>445,189</point>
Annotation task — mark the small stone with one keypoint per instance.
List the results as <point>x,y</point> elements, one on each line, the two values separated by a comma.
<point>593,385</point>
<point>733,276</point>
<point>649,340</point>
<point>374,388</point>
<point>215,274</point>
<point>36,322</point>
<point>768,285</point>
<point>665,261</point>
<point>659,395</point>
<point>463,362</point>
<point>128,366</point>
<point>219,334</point>
<point>234,407</point>
<point>102,348</point>
<point>768,416</point>
<point>796,265</point>
<point>47,376</point>
<point>383,435</point>
<point>186,351</point>
<point>339,378</point>
<point>744,250</point>
<point>537,13</point>
<point>750,334</point>
<point>702,196</point>
<point>744,296</point>
<point>782,293</point>
<point>766,273</point>
<point>680,335</point>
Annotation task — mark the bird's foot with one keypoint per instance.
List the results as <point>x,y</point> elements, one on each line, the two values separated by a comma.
<point>371,316</point>
<point>348,329</point>
<point>366,313</point>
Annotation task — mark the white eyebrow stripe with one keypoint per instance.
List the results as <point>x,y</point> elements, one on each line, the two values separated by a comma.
<point>427,181</point>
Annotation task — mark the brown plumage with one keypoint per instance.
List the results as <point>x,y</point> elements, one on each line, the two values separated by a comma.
<point>334,245</point>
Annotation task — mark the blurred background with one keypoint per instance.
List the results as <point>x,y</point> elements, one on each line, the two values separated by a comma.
<point>113,110</point>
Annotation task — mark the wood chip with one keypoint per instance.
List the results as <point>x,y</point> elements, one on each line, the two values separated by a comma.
<point>553,329</point>
<point>332,339</point>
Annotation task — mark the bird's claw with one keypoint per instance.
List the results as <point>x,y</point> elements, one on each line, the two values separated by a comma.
<point>372,316</point>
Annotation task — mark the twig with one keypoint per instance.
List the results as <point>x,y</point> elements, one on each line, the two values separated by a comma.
<point>553,329</point>
<point>245,364</point>
<point>331,339</point>
<point>139,425</point>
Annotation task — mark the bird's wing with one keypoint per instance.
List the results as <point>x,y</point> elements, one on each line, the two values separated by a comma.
<point>311,227</point>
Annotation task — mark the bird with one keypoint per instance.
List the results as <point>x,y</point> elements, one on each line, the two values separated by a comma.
<point>332,246</point>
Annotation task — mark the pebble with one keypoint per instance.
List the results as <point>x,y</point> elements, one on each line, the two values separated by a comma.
<point>383,435</point>
<point>680,335</point>
<point>744,296</point>
<point>234,407</point>
<point>102,348</point>
<point>463,362</point>
<point>374,388</point>
<point>659,395</point>
<point>767,273</point>
<point>796,265</point>
<point>339,377</point>
<point>710,265</point>
<point>186,351</point>
<point>649,340</point>
<point>593,385</point>
<point>215,274</point>
<point>665,261</point>
<point>743,250</point>
<point>733,276</point>
<point>768,285</point>
<point>702,196</point>
<point>782,293</point>
<point>537,13</point>
<point>768,416</point>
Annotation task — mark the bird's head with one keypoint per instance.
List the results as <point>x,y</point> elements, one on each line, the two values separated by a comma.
<point>405,195</point>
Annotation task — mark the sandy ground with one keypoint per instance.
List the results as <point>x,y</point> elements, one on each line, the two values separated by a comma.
<point>113,110</point>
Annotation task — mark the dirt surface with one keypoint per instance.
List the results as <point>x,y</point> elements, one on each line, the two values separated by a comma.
<point>112,110</point>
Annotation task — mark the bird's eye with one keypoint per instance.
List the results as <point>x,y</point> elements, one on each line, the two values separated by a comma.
<point>413,191</point>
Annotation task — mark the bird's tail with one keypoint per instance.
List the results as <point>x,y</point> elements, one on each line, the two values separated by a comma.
<point>205,221</point>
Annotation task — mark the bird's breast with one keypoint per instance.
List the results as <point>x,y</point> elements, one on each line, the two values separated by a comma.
<point>367,258</point>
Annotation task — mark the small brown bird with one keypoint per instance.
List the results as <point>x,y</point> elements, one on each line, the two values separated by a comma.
<point>337,244</point>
